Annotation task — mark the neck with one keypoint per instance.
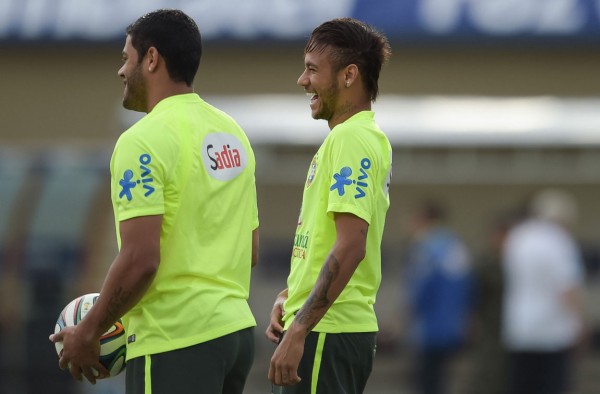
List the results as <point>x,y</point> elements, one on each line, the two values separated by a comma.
<point>167,90</point>
<point>346,111</point>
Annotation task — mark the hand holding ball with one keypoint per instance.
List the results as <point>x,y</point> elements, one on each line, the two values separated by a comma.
<point>112,342</point>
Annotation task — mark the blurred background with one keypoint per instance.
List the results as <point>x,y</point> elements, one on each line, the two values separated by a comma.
<point>486,102</point>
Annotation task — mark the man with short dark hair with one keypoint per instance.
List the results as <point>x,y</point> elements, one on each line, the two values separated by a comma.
<point>324,322</point>
<point>187,242</point>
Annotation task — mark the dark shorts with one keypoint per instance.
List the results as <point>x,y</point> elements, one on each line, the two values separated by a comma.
<point>334,364</point>
<point>218,366</point>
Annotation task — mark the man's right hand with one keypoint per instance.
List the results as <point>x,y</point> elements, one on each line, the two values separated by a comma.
<point>275,329</point>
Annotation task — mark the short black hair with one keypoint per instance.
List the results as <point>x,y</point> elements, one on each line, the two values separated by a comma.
<point>353,42</point>
<point>176,37</point>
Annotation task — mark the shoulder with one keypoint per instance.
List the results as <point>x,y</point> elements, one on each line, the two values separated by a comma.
<point>150,139</point>
<point>147,125</point>
<point>214,116</point>
<point>360,129</point>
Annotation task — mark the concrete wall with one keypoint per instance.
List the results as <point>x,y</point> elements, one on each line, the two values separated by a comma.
<point>50,94</point>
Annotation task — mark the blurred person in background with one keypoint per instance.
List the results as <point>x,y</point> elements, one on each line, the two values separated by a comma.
<point>439,284</point>
<point>187,240</point>
<point>489,355</point>
<point>543,311</point>
<point>324,323</point>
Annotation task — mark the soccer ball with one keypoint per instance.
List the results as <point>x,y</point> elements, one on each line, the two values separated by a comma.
<point>112,342</point>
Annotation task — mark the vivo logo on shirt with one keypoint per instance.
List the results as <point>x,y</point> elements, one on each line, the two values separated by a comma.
<point>144,177</point>
<point>344,178</point>
<point>223,156</point>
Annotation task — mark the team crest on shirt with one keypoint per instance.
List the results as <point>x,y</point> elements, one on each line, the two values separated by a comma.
<point>223,156</point>
<point>357,182</point>
<point>312,170</point>
<point>141,178</point>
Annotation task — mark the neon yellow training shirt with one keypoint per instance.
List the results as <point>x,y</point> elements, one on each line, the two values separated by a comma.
<point>193,164</point>
<point>350,173</point>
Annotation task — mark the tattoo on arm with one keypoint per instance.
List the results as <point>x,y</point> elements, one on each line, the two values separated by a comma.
<point>318,297</point>
<point>119,298</point>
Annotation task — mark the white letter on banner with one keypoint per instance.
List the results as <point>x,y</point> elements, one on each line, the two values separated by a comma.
<point>35,18</point>
<point>562,16</point>
<point>7,17</point>
<point>100,20</point>
<point>526,16</point>
<point>504,17</point>
<point>441,16</point>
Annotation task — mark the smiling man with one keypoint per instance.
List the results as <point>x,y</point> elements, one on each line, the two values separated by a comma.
<point>187,241</point>
<point>324,322</point>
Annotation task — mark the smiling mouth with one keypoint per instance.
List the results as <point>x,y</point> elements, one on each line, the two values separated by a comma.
<point>313,97</point>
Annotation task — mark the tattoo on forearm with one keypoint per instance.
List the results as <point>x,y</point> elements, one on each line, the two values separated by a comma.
<point>318,299</point>
<point>119,298</point>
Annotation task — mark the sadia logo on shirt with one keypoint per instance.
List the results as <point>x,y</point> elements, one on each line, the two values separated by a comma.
<point>223,155</point>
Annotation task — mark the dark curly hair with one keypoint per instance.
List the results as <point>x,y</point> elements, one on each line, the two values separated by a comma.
<point>176,37</point>
<point>353,42</point>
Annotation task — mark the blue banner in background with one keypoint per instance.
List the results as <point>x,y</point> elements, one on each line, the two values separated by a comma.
<point>24,21</point>
<point>483,19</point>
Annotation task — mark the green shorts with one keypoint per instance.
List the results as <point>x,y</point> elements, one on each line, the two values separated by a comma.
<point>334,364</point>
<point>218,366</point>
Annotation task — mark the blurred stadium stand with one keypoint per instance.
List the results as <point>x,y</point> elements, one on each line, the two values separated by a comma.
<point>48,198</point>
<point>485,102</point>
<point>55,247</point>
<point>14,169</point>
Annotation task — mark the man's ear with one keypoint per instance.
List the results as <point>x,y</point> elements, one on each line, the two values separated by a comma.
<point>350,74</point>
<point>152,59</point>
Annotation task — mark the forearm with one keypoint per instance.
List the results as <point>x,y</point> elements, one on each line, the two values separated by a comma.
<point>130,274</point>
<point>124,286</point>
<point>333,278</point>
<point>344,257</point>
